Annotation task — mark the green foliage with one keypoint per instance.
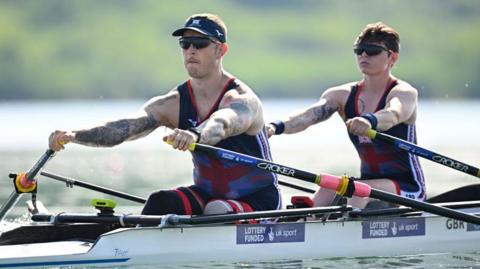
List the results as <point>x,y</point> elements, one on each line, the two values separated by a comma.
<point>56,49</point>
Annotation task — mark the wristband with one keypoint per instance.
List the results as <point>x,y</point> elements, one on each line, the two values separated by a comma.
<point>371,118</point>
<point>195,131</point>
<point>279,126</point>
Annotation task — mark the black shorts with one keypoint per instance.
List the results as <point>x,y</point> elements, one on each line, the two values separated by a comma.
<point>192,200</point>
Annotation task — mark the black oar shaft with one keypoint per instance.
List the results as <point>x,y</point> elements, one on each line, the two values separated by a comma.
<point>257,162</point>
<point>295,186</point>
<point>76,182</point>
<point>39,164</point>
<point>361,189</point>
<point>438,210</point>
<point>425,153</point>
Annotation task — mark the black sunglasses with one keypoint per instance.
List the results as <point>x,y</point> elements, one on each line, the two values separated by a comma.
<point>199,42</point>
<point>370,49</point>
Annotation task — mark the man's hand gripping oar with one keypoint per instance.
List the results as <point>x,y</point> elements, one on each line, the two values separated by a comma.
<point>344,185</point>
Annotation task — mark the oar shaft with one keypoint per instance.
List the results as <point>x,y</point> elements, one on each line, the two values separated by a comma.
<point>257,162</point>
<point>438,210</point>
<point>9,204</point>
<point>39,164</point>
<point>335,183</point>
<point>295,186</point>
<point>79,183</point>
<point>15,196</point>
<point>425,153</point>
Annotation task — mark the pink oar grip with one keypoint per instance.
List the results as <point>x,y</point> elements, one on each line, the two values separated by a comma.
<point>362,189</point>
<point>330,182</point>
<point>333,183</point>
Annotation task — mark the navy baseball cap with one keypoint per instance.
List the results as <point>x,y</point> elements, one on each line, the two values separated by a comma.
<point>204,26</point>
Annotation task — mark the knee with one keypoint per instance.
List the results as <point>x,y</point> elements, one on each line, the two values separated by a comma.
<point>225,207</point>
<point>217,207</point>
<point>163,202</point>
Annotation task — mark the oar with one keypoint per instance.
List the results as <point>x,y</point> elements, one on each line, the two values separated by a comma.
<point>343,185</point>
<point>424,153</point>
<point>25,183</point>
<point>71,182</point>
<point>295,186</point>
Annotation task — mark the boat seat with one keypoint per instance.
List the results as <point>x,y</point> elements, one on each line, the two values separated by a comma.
<point>301,202</point>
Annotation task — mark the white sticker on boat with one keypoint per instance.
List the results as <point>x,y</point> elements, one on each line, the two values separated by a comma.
<point>270,233</point>
<point>393,228</point>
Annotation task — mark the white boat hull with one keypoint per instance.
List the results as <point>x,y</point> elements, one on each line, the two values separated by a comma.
<point>253,242</point>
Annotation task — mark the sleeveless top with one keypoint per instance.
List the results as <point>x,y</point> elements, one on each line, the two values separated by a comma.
<point>382,160</point>
<point>221,178</point>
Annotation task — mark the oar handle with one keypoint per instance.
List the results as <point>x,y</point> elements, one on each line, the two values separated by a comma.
<point>425,153</point>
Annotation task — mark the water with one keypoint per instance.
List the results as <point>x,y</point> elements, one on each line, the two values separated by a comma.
<point>148,164</point>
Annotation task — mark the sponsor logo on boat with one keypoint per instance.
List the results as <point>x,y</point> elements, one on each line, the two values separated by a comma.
<point>277,169</point>
<point>473,227</point>
<point>449,162</point>
<point>393,228</point>
<point>270,233</point>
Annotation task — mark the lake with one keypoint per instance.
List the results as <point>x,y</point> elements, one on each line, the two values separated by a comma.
<point>140,167</point>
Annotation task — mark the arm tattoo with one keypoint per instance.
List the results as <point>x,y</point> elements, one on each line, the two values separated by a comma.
<point>323,112</point>
<point>226,124</point>
<point>240,123</point>
<point>315,114</point>
<point>116,132</point>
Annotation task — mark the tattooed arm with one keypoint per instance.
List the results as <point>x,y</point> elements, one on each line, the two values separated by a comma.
<point>152,115</point>
<point>331,101</point>
<point>239,112</point>
<point>116,132</point>
<point>320,111</point>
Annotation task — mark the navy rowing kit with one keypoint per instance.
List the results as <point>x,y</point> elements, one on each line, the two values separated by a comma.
<point>240,188</point>
<point>382,160</point>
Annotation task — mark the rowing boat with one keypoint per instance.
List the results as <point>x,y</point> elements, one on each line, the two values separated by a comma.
<point>99,239</point>
<point>109,239</point>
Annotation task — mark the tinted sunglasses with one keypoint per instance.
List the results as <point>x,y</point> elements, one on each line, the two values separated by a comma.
<point>199,42</point>
<point>369,49</point>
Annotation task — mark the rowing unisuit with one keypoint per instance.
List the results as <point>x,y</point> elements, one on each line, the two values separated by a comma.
<point>381,160</point>
<point>223,179</point>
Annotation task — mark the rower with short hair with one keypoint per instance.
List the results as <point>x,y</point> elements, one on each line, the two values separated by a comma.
<point>379,101</point>
<point>212,107</point>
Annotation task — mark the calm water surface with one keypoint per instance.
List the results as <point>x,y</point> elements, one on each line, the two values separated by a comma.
<point>139,167</point>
